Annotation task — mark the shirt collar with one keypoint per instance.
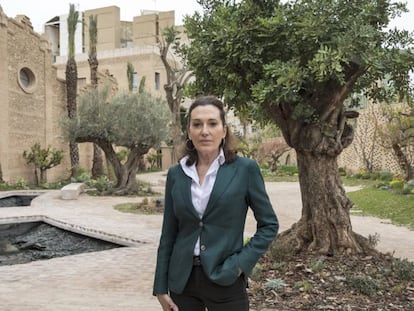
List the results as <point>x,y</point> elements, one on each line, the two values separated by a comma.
<point>220,158</point>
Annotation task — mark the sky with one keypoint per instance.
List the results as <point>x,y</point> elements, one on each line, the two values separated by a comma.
<point>40,12</point>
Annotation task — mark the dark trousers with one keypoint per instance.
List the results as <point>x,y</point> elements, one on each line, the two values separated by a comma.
<point>200,293</point>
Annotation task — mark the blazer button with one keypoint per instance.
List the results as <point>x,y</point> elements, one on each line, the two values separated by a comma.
<point>200,224</point>
<point>203,247</point>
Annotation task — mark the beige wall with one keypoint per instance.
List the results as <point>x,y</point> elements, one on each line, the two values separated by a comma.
<point>4,94</point>
<point>146,62</point>
<point>109,28</point>
<point>148,27</point>
<point>139,39</point>
<point>29,114</point>
<point>367,139</point>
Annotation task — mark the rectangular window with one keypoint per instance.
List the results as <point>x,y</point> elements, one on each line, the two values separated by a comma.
<point>157,81</point>
<point>134,82</point>
<point>157,30</point>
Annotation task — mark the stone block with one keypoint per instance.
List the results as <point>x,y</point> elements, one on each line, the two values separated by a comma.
<point>72,191</point>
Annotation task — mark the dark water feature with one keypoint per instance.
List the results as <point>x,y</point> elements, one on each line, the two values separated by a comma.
<point>16,200</point>
<point>31,241</point>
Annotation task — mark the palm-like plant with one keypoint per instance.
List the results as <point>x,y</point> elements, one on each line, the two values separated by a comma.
<point>72,83</point>
<point>97,165</point>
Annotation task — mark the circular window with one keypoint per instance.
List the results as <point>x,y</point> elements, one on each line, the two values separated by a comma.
<point>27,80</point>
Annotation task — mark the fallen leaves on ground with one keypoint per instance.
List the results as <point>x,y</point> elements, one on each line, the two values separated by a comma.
<point>354,283</point>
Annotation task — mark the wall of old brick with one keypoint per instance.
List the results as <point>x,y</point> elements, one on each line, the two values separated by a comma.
<point>367,140</point>
<point>29,114</point>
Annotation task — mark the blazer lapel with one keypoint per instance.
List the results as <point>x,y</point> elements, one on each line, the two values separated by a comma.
<point>185,185</point>
<point>224,177</point>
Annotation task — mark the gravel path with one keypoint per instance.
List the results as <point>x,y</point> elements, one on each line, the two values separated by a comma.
<point>121,278</point>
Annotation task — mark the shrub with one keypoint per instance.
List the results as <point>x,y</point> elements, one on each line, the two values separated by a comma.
<point>342,171</point>
<point>408,187</point>
<point>257,273</point>
<point>103,184</point>
<point>357,175</point>
<point>5,186</point>
<point>404,269</point>
<point>264,166</point>
<point>373,240</point>
<point>305,286</point>
<point>279,252</point>
<point>147,207</point>
<point>406,190</point>
<point>383,185</point>
<point>397,185</point>
<point>366,175</point>
<point>82,176</point>
<point>289,170</point>
<point>364,285</point>
<point>280,266</point>
<point>386,176</point>
<point>318,265</point>
<point>275,284</point>
<point>375,175</point>
<point>21,184</point>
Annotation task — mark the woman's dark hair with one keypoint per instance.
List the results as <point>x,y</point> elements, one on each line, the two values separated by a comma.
<point>229,139</point>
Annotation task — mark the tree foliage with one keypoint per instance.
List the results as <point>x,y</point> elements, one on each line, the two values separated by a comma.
<point>272,53</point>
<point>295,63</point>
<point>73,19</point>
<point>137,122</point>
<point>42,159</point>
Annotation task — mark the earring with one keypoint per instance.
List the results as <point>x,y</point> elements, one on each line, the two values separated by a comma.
<point>189,145</point>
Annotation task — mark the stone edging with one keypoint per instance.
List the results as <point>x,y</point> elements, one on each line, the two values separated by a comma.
<point>98,234</point>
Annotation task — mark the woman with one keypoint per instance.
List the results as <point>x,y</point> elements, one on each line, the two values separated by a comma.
<point>202,260</point>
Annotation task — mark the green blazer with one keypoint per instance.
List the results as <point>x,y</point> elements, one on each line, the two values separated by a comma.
<point>238,186</point>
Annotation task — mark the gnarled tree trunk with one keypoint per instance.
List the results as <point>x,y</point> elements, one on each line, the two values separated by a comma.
<point>403,161</point>
<point>325,225</point>
<point>125,173</point>
<point>177,78</point>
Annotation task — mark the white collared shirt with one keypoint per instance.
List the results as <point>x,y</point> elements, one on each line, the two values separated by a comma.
<point>200,194</point>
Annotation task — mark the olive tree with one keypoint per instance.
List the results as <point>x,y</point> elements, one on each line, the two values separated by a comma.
<point>42,160</point>
<point>294,63</point>
<point>397,134</point>
<point>178,76</point>
<point>134,121</point>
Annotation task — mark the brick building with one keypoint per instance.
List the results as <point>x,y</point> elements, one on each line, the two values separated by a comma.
<point>31,97</point>
<point>32,86</point>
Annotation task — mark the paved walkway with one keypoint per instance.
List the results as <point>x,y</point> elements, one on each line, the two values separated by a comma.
<point>121,279</point>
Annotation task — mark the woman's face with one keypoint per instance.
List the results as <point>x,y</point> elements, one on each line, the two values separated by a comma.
<point>206,129</point>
